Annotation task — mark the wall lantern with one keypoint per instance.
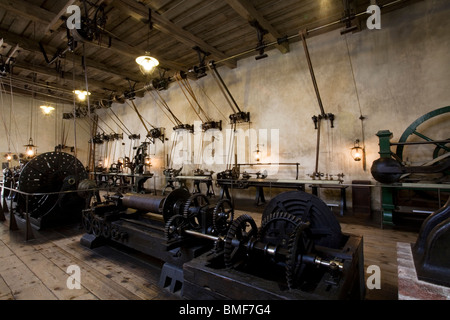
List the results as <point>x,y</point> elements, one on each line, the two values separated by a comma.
<point>258,154</point>
<point>357,151</point>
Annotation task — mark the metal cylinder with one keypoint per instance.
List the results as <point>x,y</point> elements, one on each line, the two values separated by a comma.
<point>150,203</point>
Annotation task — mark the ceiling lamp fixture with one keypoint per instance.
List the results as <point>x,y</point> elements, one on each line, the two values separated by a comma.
<point>47,109</point>
<point>81,94</point>
<point>30,149</point>
<point>147,63</point>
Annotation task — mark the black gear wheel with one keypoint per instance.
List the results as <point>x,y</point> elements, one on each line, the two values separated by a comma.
<point>300,243</point>
<point>223,216</point>
<point>97,227</point>
<point>106,230</point>
<point>324,225</point>
<point>196,201</point>
<point>86,220</point>
<point>277,228</point>
<point>174,227</point>
<point>243,229</point>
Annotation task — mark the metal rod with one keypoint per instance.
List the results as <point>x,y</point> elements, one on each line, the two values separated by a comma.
<point>421,142</point>
<point>202,235</point>
<point>307,32</point>
<point>311,71</point>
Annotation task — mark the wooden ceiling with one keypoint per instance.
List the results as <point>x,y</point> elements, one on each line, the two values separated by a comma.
<point>221,27</point>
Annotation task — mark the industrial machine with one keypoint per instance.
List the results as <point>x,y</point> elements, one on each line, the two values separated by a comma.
<point>47,187</point>
<point>298,252</point>
<point>414,188</point>
<point>431,252</point>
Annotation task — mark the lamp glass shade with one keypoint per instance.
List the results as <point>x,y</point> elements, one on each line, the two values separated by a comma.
<point>147,63</point>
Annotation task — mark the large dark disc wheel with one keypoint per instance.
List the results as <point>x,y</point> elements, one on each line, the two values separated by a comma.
<point>325,227</point>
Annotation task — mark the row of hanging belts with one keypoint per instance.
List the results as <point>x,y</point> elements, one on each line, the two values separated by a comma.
<point>186,88</point>
<point>162,104</point>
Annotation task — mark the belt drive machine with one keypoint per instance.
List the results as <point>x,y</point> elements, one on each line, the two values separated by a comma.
<point>298,252</point>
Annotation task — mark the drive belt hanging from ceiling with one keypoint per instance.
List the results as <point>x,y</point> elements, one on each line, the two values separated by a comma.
<point>152,134</point>
<point>238,115</point>
<point>207,122</point>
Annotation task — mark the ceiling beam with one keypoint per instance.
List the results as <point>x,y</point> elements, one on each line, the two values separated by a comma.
<point>57,20</point>
<point>33,46</point>
<point>141,12</point>
<point>36,13</point>
<point>246,10</point>
<point>68,76</point>
<point>25,9</point>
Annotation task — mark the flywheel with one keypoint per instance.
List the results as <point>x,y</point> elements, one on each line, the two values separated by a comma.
<point>48,173</point>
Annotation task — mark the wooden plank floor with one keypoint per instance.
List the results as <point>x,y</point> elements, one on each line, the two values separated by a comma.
<point>37,269</point>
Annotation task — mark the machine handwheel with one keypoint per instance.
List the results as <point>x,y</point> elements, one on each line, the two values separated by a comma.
<point>300,243</point>
<point>175,227</point>
<point>223,216</point>
<point>241,231</point>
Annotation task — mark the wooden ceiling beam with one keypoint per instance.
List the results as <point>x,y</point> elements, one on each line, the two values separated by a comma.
<point>26,10</point>
<point>141,12</point>
<point>57,20</point>
<point>246,10</point>
<point>33,46</point>
<point>68,76</point>
<point>35,13</point>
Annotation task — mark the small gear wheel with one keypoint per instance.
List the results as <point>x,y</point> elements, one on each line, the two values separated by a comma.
<point>241,231</point>
<point>223,216</point>
<point>175,227</point>
<point>192,207</point>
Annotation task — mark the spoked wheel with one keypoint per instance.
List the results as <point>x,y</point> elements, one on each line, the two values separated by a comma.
<point>241,231</point>
<point>86,220</point>
<point>223,216</point>
<point>175,227</point>
<point>193,207</point>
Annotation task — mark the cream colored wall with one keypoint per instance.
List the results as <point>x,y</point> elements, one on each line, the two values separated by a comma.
<point>46,130</point>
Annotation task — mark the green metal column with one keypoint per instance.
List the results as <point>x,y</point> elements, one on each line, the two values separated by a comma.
<point>387,199</point>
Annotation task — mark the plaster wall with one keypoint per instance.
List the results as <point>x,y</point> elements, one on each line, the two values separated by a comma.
<point>27,121</point>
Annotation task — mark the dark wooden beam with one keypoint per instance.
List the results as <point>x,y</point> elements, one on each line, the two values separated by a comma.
<point>45,17</point>
<point>33,46</point>
<point>26,10</point>
<point>57,20</point>
<point>246,10</point>
<point>140,12</point>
